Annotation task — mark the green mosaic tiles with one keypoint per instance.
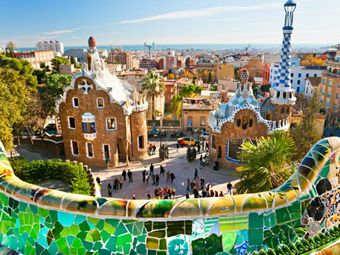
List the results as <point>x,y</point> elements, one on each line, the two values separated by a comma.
<point>41,221</point>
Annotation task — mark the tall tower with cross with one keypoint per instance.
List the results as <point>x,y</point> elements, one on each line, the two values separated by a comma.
<point>281,91</point>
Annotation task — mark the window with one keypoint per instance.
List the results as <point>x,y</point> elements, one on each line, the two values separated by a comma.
<point>298,82</point>
<point>250,122</point>
<point>89,150</point>
<point>111,123</point>
<point>291,81</point>
<point>238,122</point>
<point>315,75</point>
<point>234,148</point>
<point>330,83</point>
<point>307,75</point>
<point>189,121</point>
<point>140,142</point>
<point>106,151</point>
<point>74,148</point>
<point>324,81</point>
<point>298,89</point>
<point>88,123</point>
<point>299,75</point>
<point>292,75</point>
<point>71,122</point>
<point>202,120</point>
<point>100,102</point>
<point>75,102</point>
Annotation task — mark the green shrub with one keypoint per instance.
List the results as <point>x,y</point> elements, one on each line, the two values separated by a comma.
<point>263,252</point>
<point>37,171</point>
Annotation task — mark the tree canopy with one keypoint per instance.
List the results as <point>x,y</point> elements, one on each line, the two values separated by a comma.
<point>305,134</point>
<point>188,90</point>
<point>265,163</point>
<point>17,83</point>
<point>311,60</point>
<point>57,61</point>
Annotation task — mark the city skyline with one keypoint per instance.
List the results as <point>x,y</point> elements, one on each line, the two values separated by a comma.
<point>182,22</point>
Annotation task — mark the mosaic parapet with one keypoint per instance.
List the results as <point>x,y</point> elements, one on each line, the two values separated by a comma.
<point>299,184</point>
<point>36,220</point>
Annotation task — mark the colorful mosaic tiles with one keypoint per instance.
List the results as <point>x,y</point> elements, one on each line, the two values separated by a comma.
<point>35,220</point>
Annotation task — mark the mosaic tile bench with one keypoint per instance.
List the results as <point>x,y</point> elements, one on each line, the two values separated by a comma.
<point>36,220</point>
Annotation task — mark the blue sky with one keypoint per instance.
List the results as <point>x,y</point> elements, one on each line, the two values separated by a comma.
<point>165,22</point>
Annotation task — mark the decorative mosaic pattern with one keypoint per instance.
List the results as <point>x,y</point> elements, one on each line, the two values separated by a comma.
<point>36,220</point>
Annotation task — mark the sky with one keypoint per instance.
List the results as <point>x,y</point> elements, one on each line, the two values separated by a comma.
<point>124,22</point>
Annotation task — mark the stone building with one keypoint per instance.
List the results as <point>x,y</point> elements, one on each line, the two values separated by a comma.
<point>244,118</point>
<point>103,119</point>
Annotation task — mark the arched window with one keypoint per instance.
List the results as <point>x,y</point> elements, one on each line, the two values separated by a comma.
<point>100,102</point>
<point>278,94</point>
<point>238,122</point>
<point>284,95</point>
<point>250,122</point>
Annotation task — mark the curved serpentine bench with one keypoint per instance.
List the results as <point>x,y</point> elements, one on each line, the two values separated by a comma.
<point>36,220</point>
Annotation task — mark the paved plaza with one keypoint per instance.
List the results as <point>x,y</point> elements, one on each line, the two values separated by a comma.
<point>177,163</point>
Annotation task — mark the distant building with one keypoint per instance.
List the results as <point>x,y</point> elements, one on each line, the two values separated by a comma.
<point>148,64</point>
<point>330,86</point>
<point>298,75</point>
<point>219,71</point>
<point>66,69</point>
<point>121,57</point>
<point>102,118</point>
<point>170,60</point>
<point>36,58</point>
<point>170,90</point>
<point>312,85</point>
<point>266,74</point>
<point>195,113</point>
<point>56,46</point>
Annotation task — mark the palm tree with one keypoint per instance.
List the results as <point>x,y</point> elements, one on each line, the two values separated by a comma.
<point>188,90</point>
<point>153,85</point>
<point>265,164</point>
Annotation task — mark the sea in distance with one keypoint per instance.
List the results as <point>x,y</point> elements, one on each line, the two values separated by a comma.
<point>140,47</point>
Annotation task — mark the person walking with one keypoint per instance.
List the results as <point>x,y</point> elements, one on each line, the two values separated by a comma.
<point>229,187</point>
<point>177,147</point>
<point>196,173</point>
<point>188,185</point>
<point>153,179</point>
<point>124,174</point>
<point>129,173</point>
<point>161,170</point>
<point>151,169</point>
<point>172,177</point>
<point>148,196</point>
<point>157,180</point>
<point>201,161</point>
<point>147,179</point>
<point>202,183</point>
<point>109,188</point>
<point>144,174</point>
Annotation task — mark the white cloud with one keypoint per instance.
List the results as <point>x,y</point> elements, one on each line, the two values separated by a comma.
<point>60,32</point>
<point>200,13</point>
